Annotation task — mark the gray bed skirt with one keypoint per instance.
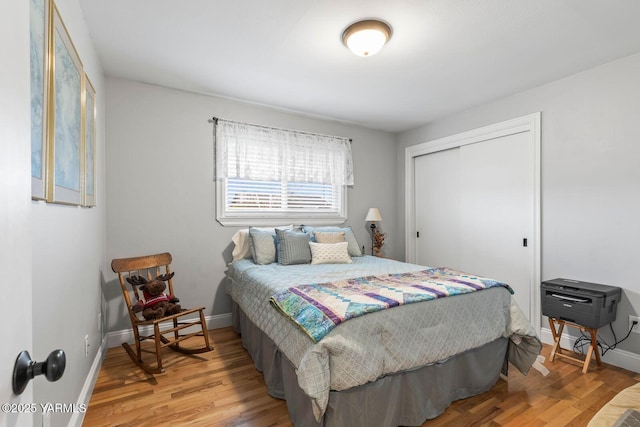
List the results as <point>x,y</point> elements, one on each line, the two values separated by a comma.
<point>403,399</point>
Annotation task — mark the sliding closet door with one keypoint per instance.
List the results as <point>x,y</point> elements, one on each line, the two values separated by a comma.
<point>474,208</point>
<point>437,200</point>
<point>496,211</point>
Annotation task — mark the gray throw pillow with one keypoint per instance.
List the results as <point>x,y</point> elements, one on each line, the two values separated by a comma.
<point>263,247</point>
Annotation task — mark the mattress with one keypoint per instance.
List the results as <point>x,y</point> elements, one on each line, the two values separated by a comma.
<point>372,346</point>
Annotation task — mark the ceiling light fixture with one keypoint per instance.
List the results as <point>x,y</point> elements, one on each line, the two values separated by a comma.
<point>366,38</point>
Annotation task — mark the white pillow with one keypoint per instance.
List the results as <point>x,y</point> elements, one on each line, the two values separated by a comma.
<point>242,247</point>
<point>330,253</point>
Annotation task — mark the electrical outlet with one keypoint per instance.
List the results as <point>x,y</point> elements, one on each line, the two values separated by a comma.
<point>86,346</point>
<point>636,327</point>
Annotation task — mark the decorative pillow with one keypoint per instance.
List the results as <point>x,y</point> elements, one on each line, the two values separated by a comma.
<point>330,253</point>
<point>354,247</point>
<point>293,247</point>
<point>329,236</point>
<point>263,247</point>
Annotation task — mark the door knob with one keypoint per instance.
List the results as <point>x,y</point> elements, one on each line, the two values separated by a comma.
<point>26,368</point>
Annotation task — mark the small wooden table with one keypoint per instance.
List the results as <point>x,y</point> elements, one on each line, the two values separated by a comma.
<point>557,349</point>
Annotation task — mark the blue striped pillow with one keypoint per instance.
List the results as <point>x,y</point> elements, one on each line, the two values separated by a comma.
<point>293,247</point>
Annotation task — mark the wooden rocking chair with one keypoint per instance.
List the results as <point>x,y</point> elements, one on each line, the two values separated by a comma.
<point>147,268</point>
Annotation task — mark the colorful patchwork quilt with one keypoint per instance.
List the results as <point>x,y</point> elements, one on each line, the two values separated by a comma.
<point>319,308</point>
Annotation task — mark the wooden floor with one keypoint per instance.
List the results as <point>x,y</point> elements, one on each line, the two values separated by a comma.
<point>222,388</point>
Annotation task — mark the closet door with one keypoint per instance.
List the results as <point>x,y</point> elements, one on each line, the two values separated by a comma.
<point>474,208</point>
<point>437,201</point>
<point>496,212</point>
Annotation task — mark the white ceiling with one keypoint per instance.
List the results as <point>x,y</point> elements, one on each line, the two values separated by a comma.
<point>444,55</point>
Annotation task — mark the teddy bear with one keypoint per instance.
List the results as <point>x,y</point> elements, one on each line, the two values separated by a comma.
<point>155,303</point>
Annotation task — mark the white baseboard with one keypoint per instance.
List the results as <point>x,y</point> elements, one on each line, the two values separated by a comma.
<point>115,339</point>
<point>87,389</point>
<point>620,358</point>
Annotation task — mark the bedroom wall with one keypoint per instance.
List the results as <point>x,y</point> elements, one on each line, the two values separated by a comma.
<point>162,194</point>
<point>590,192</point>
<point>69,245</point>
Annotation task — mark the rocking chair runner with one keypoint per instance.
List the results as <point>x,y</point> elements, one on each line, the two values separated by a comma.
<point>152,266</point>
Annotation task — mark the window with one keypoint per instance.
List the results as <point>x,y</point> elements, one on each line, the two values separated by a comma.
<point>266,175</point>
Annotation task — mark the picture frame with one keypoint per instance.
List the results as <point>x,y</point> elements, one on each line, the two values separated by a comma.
<point>64,134</point>
<point>89,143</point>
<point>39,29</point>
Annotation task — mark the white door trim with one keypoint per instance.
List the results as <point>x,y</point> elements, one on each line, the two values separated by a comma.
<point>529,123</point>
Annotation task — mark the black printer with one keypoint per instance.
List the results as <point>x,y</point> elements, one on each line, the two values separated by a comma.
<point>583,303</point>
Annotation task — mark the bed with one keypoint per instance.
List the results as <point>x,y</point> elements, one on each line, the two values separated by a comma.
<point>399,366</point>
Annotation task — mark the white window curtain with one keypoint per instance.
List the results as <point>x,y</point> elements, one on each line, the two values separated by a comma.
<point>258,153</point>
<point>265,175</point>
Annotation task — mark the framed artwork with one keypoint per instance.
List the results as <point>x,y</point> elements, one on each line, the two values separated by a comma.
<point>66,157</point>
<point>89,194</point>
<point>39,24</point>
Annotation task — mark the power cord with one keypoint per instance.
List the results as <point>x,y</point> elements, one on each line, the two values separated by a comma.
<point>584,340</point>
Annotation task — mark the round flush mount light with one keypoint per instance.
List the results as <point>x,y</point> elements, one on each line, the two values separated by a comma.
<point>366,38</point>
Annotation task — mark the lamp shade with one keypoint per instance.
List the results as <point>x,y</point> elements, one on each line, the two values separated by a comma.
<point>366,38</point>
<point>373,215</point>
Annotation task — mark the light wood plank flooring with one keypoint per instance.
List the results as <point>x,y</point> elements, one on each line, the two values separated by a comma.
<point>222,388</point>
